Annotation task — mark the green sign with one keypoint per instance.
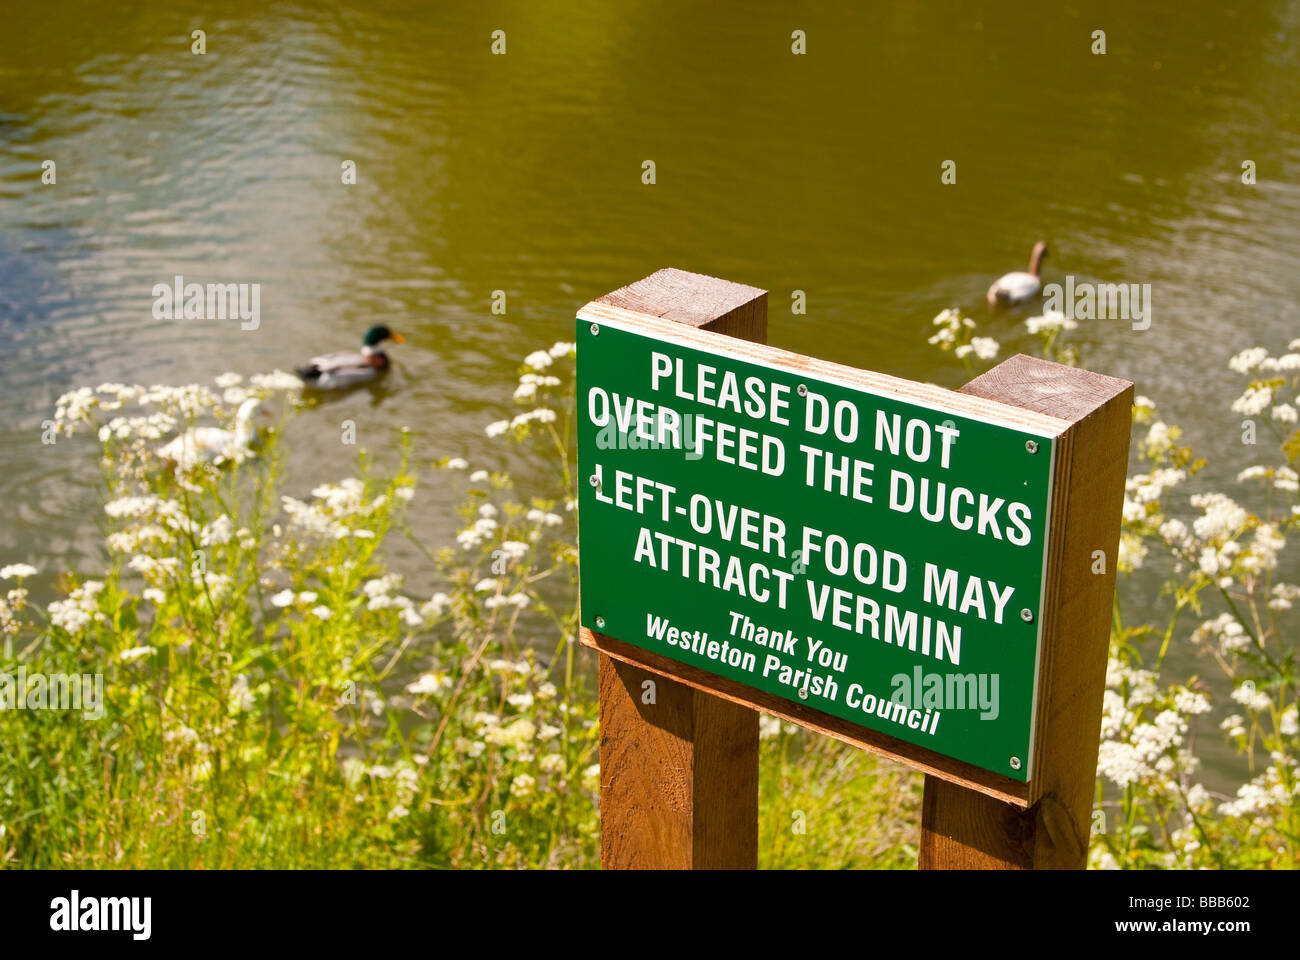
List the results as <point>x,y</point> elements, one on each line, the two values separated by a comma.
<point>845,549</point>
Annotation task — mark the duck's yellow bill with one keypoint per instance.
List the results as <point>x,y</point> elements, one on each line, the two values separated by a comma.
<point>397,338</point>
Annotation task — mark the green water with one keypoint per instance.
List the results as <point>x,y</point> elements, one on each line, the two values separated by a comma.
<point>522,173</point>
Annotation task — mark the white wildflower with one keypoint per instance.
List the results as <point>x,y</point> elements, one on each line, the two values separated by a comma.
<point>241,698</point>
<point>1189,701</point>
<point>1247,360</point>
<point>1050,322</point>
<point>1252,699</point>
<point>436,606</point>
<point>429,683</point>
<point>538,360</point>
<point>1283,596</point>
<point>1222,516</point>
<point>219,531</point>
<point>1254,401</point>
<point>552,763</point>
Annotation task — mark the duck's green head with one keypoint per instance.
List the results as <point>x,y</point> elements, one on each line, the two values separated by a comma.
<point>377,335</point>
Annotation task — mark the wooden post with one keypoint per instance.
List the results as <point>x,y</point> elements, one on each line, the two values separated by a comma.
<point>964,829</point>
<point>679,775</point>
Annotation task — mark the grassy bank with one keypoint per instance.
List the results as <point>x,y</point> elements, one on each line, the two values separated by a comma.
<point>273,697</point>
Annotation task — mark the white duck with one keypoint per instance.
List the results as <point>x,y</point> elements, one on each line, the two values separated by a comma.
<point>1017,287</point>
<point>207,444</point>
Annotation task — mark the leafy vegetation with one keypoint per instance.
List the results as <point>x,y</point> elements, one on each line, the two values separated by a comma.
<point>272,697</point>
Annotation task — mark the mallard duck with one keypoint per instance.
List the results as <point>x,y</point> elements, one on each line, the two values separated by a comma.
<point>334,371</point>
<point>208,444</point>
<point>1017,287</point>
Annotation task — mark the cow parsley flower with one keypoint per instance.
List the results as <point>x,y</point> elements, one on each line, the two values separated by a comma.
<point>283,598</point>
<point>1052,321</point>
<point>552,763</point>
<point>429,683</point>
<point>538,360</point>
<point>436,606</point>
<point>1252,699</point>
<point>1247,360</point>
<point>1255,400</point>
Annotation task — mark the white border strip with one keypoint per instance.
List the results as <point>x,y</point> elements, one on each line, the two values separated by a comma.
<point>1042,604</point>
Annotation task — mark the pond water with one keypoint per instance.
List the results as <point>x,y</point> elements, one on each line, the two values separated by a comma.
<point>523,173</point>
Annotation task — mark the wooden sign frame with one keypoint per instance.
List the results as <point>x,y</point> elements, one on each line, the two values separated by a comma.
<point>679,779</point>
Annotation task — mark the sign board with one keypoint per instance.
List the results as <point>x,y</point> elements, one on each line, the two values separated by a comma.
<point>874,552</point>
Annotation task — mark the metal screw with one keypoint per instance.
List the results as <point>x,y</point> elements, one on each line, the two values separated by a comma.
<point>802,389</point>
<point>600,623</point>
<point>595,480</point>
<point>1015,763</point>
<point>1031,446</point>
<point>595,329</point>
<point>1027,615</point>
<point>803,693</point>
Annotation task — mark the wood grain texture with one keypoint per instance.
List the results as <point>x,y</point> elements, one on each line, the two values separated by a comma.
<point>678,776</point>
<point>964,829</point>
<point>696,300</point>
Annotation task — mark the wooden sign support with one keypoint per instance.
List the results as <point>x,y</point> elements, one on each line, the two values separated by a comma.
<point>679,746</point>
<point>679,776</point>
<point>963,829</point>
